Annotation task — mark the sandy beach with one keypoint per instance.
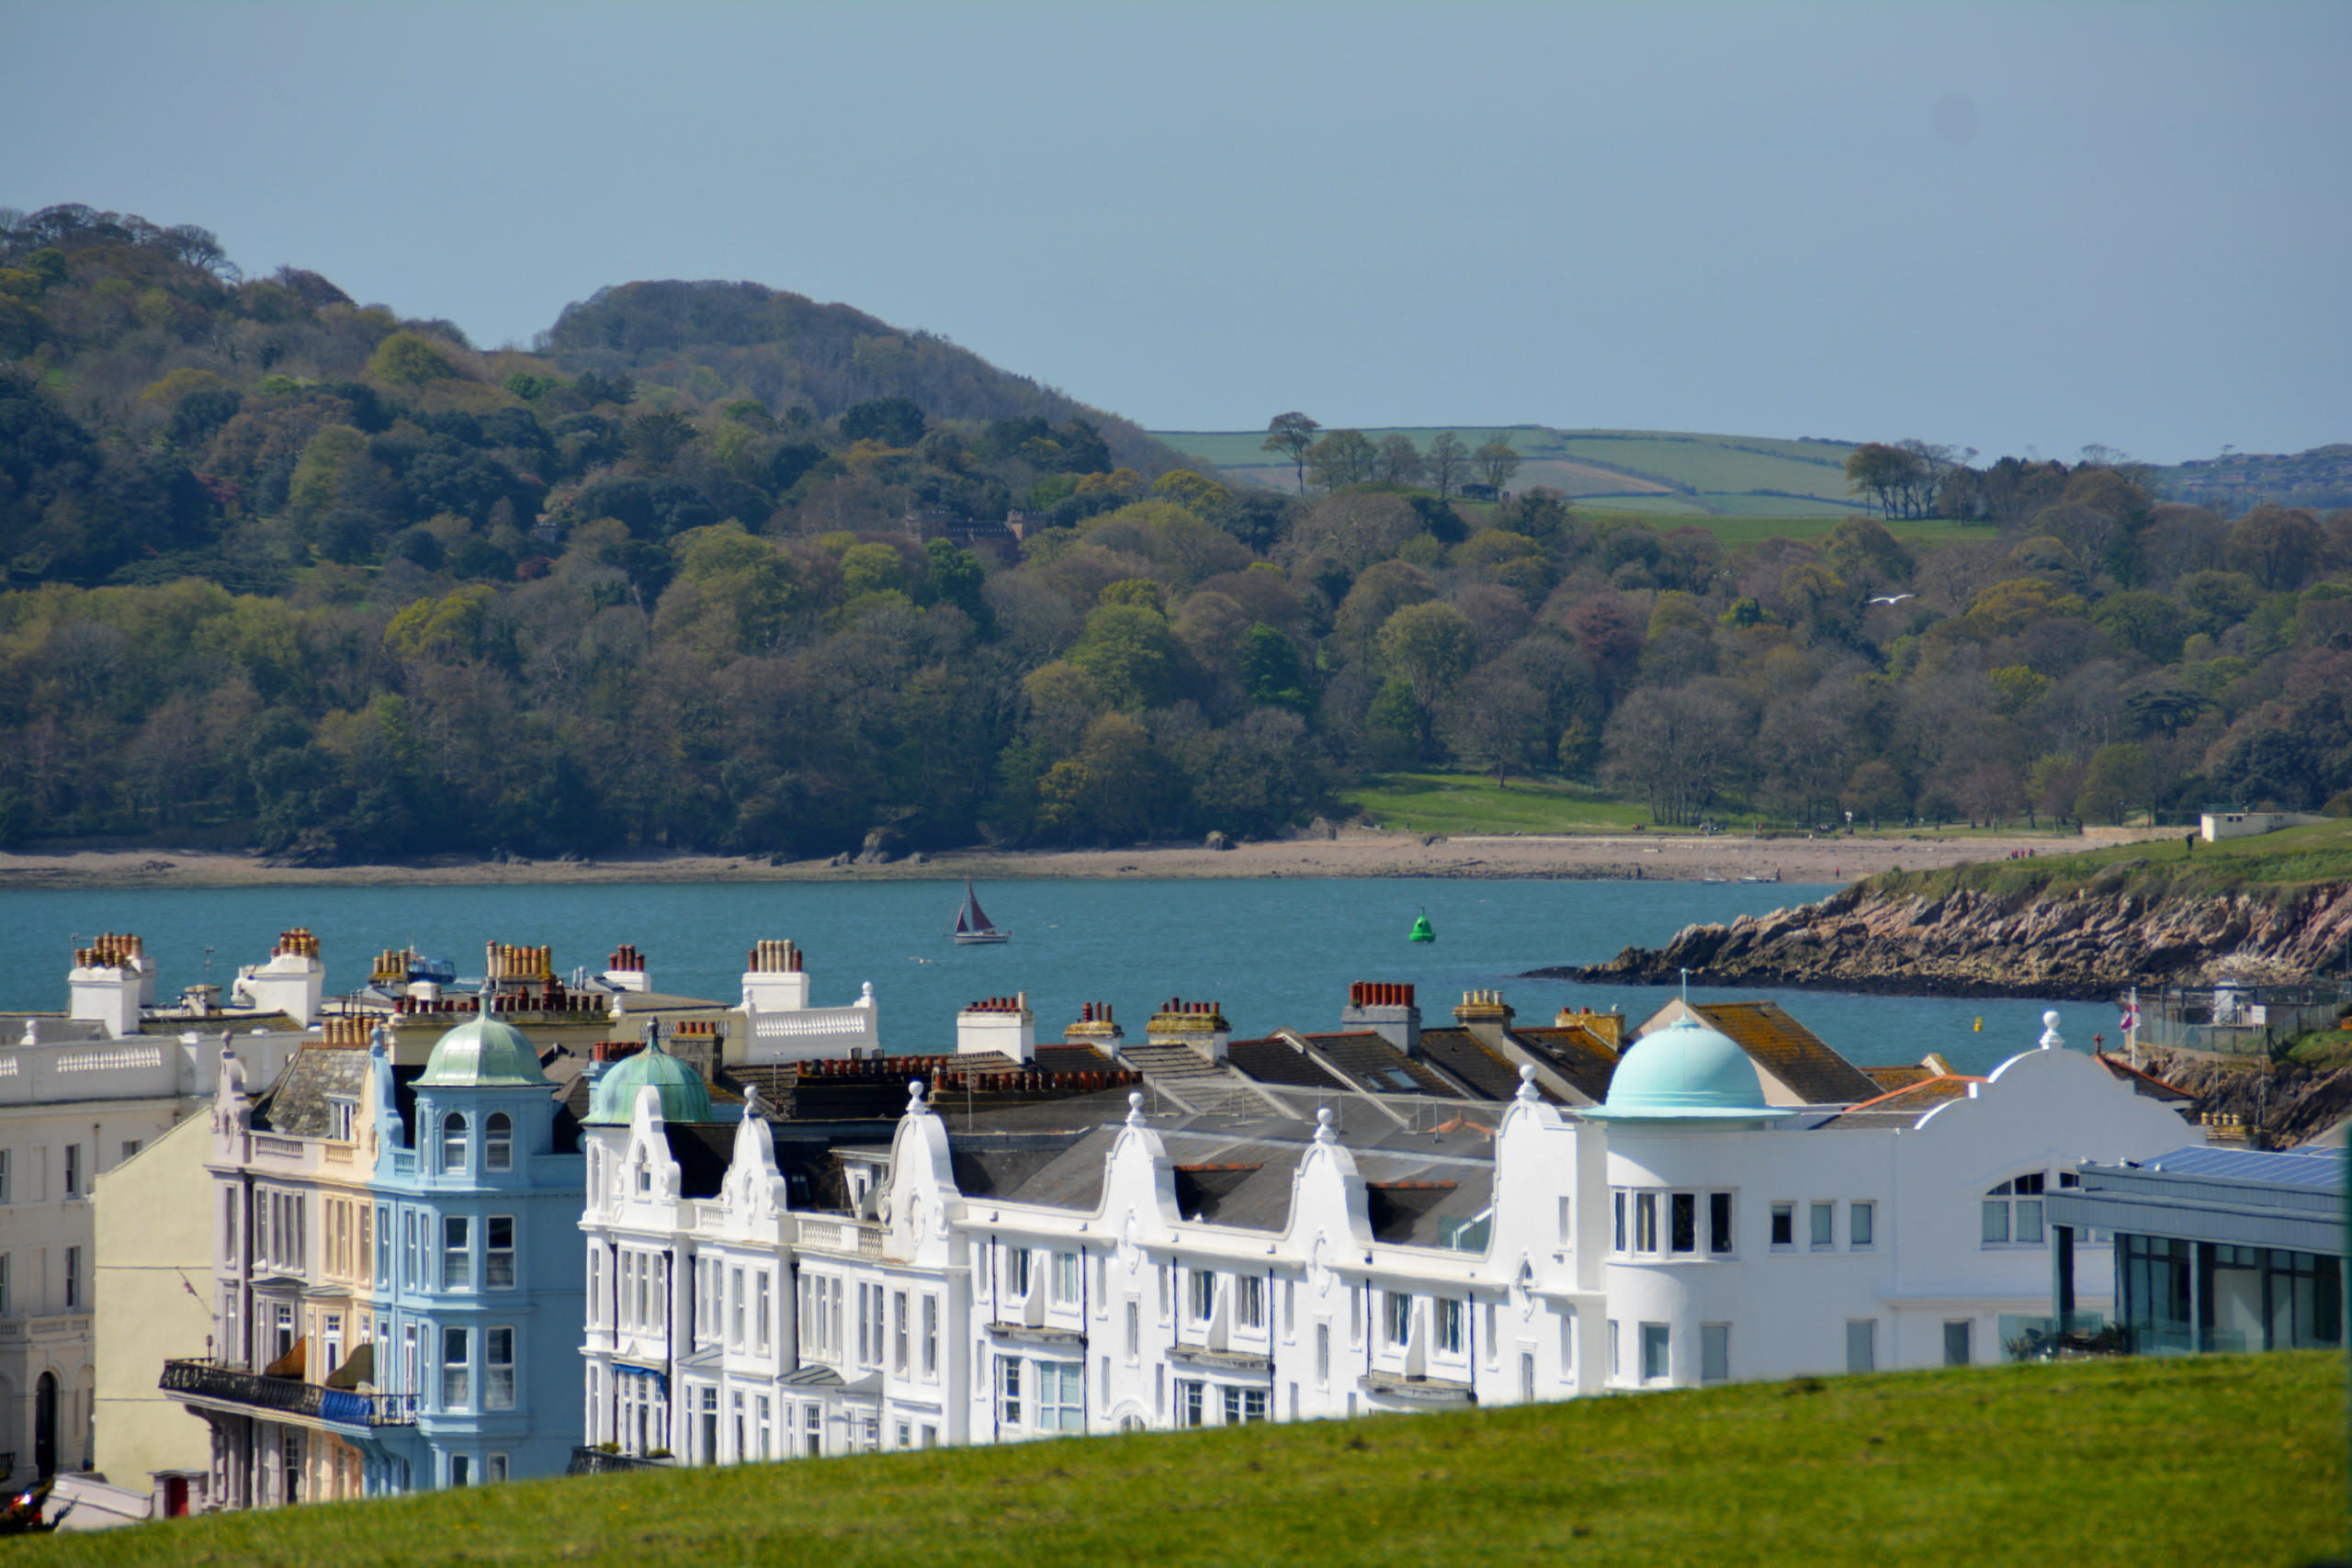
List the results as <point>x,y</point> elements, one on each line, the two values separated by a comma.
<point>1355,852</point>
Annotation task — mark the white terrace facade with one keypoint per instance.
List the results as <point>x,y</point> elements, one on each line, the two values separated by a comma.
<point>1149,1273</point>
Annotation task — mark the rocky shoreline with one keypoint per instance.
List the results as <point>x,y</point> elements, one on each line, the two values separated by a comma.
<point>2080,946</point>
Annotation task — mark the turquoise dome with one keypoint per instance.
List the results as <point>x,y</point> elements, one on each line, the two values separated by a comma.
<point>482,1053</point>
<point>684,1097</point>
<point>1686,1072</point>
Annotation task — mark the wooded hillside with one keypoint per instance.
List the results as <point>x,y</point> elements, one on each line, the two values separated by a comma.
<point>278,560</point>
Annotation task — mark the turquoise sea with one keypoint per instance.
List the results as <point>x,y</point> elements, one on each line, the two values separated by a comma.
<point>1278,953</point>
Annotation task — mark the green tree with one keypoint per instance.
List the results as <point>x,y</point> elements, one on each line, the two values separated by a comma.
<point>955,578</point>
<point>2148,624</point>
<point>2122,778</point>
<point>872,569</point>
<point>656,439</point>
<point>1497,459</point>
<point>1292,435</point>
<point>1341,458</point>
<point>1882,472</point>
<point>1271,672</point>
<point>1430,646</point>
<point>1130,654</point>
<point>1398,461</point>
<point>407,360</point>
<point>1447,464</point>
<point>893,421</point>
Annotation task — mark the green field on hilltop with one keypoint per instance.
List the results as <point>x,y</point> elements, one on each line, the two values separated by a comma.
<point>1470,803</point>
<point>2180,1459</point>
<point>2275,863</point>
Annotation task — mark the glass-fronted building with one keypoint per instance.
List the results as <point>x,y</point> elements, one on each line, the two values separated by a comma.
<point>2215,1248</point>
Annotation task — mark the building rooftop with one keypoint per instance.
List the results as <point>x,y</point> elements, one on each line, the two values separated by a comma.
<point>1790,1053</point>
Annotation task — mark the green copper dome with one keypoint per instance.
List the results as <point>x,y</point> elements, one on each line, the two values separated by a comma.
<point>684,1097</point>
<point>482,1053</point>
<point>1686,1072</point>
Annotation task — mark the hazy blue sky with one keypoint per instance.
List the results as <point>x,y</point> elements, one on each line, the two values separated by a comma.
<point>1990,225</point>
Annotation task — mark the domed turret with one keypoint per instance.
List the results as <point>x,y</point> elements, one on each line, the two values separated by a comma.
<point>684,1097</point>
<point>482,1053</point>
<point>1686,1072</point>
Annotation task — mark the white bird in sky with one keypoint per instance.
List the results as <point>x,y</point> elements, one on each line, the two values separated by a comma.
<point>1893,598</point>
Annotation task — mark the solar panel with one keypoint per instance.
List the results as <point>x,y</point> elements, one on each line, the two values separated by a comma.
<point>2320,1168</point>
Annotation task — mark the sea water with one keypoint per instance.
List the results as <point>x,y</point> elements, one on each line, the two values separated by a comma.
<point>1278,953</point>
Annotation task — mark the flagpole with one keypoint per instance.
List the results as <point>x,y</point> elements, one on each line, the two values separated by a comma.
<point>2131,1027</point>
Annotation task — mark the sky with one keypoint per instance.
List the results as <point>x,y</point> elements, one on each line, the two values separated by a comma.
<point>2006,227</point>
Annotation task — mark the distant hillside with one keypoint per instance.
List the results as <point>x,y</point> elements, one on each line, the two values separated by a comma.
<point>2318,479</point>
<point>1617,470</point>
<point>716,342</point>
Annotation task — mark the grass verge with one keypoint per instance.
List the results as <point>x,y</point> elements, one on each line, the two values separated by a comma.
<point>1470,803</point>
<point>2193,1459</point>
<point>2277,865</point>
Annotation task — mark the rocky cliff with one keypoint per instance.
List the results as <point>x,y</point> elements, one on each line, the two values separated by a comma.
<point>2081,945</point>
<point>2284,1103</point>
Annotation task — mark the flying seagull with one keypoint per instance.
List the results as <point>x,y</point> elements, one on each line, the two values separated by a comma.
<point>1893,598</point>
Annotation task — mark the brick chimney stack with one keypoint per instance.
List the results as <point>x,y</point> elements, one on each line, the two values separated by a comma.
<point>1199,1025</point>
<point>1387,1009</point>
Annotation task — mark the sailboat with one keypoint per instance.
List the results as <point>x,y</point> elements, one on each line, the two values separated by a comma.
<point>972,923</point>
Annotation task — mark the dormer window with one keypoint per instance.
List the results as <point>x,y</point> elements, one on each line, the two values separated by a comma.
<point>453,1143</point>
<point>498,1142</point>
<point>343,1116</point>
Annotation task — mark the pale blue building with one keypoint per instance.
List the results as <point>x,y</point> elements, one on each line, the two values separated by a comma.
<point>477,1292</point>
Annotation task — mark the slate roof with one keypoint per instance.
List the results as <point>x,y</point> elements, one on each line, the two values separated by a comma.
<point>1469,1060</point>
<point>1792,1052</point>
<point>1277,1061</point>
<point>1575,1054</point>
<point>1373,1065</point>
<point>296,1106</point>
<point>1899,1076</point>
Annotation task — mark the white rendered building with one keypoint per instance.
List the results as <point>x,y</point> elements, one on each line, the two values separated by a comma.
<point>1056,1269</point>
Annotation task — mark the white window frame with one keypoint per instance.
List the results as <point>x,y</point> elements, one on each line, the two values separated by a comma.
<point>1249,1301</point>
<point>498,1376</point>
<point>1446,1316</point>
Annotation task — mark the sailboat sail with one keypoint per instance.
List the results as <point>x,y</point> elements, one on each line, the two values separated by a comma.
<point>980,920</point>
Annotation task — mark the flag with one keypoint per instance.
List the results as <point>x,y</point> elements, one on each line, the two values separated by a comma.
<point>2130,1019</point>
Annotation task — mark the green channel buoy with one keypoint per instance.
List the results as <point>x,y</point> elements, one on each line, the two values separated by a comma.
<point>1421,929</point>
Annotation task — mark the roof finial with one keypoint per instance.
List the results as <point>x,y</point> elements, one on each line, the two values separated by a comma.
<point>916,1105</point>
<point>1323,1134</point>
<point>1527,1083</point>
<point>2050,1040</point>
<point>1686,985</point>
<point>1135,1108</point>
<point>751,1102</point>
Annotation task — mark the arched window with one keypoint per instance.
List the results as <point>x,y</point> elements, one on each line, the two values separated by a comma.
<point>498,1142</point>
<point>453,1142</point>
<point>2013,1211</point>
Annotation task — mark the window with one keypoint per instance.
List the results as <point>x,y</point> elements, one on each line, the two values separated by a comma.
<point>72,1170</point>
<point>1135,1329</point>
<point>1527,1376</point>
<point>1322,1355</point>
<point>868,1350</point>
<point>1448,1315</point>
<point>4,1284</point>
<point>1163,1292</point>
<point>1568,1221</point>
<point>1396,1314</point>
<point>1714,1352</point>
<point>1645,1222</point>
<point>766,1424</point>
<point>709,1425</point>
<point>133,1146</point>
<point>498,1253</point>
<point>735,1308</point>
<point>813,1431</point>
<point>342,1115</point>
<point>460,1470</point>
<point>1568,1345</point>
<point>899,1329</point>
<point>1958,1349</point>
<point>453,1143</point>
<point>1008,1390</point>
<point>383,1244</point>
<point>1250,1301</point>
<point>1784,1225</point>
<point>455,1389</point>
<point>1065,1277</point>
<point>1859,1220</point>
<point>1290,1306</point>
<point>930,1335</point>
<point>1654,1352</point>
<point>1719,1221</point>
<point>1683,1223</point>
<point>73,1279</point>
<point>1861,1345</point>
<point>759,1314</point>
<point>1617,1203</point>
<point>1017,1268</point>
<point>1191,1402</point>
<point>457,1255</point>
<point>1613,1347</point>
<point>494,1468</point>
<point>6,1200</point>
<point>498,1142</point>
<point>1825,1224</point>
<point>498,1369</point>
<point>1204,1301</point>
<point>1061,1396</point>
<point>1244,1405</point>
<point>2013,1211</point>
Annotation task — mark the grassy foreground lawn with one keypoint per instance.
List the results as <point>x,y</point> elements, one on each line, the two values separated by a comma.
<point>2203,1460</point>
<point>1469,803</point>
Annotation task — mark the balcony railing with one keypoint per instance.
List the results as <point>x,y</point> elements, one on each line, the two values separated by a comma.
<point>288,1396</point>
<point>605,1462</point>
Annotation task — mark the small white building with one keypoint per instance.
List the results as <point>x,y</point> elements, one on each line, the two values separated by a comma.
<point>1056,1271</point>
<point>2219,822</point>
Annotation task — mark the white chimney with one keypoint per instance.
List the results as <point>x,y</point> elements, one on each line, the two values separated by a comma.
<point>293,982</point>
<point>106,982</point>
<point>1198,1025</point>
<point>1000,1025</point>
<point>775,981</point>
<point>625,971</point>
